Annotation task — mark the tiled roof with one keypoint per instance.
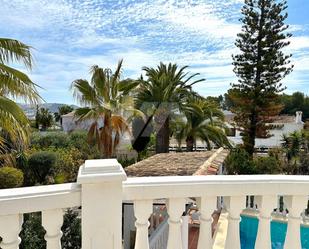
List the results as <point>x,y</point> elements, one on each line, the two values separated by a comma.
<point>70,114</point>
<point>176,164</point>
<point>284,119</point>
<point>281,119</point>
<point>212,166</point>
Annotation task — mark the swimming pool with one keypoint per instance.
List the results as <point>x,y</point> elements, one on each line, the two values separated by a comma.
<point>248,232</point>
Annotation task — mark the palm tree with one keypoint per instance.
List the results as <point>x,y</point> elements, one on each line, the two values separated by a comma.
<point>15,85</point>
<point>107,102</point>
<point>292,145</point>
<point>44,118</point>
<point>62,110</point>
<point>202,120</point>
<point>164,90</point>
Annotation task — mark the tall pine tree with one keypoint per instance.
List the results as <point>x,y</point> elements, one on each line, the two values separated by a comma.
<point>260,66</point>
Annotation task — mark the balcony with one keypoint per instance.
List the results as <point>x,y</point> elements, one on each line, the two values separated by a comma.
<point>103,186</point>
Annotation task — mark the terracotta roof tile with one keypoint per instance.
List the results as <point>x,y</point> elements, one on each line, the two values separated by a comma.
<point>177,164</point>
<point>169,164</point>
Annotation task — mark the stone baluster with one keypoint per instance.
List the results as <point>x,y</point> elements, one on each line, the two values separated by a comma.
<point>265,206</point>
<point>234,204</point>
<point>185,232</point>
<point>175,209</point>
<point>10,227</point>
<point>52,221</point>
<point>206,207</point>
<point>142,212</point>
<point>295,205</point>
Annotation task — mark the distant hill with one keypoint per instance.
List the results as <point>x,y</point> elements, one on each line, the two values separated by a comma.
<point>30,110</point>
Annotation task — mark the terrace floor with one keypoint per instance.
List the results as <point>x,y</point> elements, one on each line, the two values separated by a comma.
<point>193,237</point>
<point>194,231</point>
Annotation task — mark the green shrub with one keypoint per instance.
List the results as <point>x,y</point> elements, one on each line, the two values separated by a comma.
<point>65,169</point>
<point>304,164</point>
<point>125,162</point>
<point>79,140</point>
<point>41,165</point>
<point>50,139</point>
<point>10,177</point>
<point>267,165</point>
<point>71,228</point>
<point>238,163</point>
<point>68,162</point>
<point>32,233</point>
<point>61,140</point>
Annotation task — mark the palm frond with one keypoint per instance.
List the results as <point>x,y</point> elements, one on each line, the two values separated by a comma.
<point>18,85</point>
<point>86,113</point>
<point>100,82</point>
<point>115,79</point>
<point>13,121</point>
<point>84,92</point>
<point>15,51</point>
<point>127,86</point>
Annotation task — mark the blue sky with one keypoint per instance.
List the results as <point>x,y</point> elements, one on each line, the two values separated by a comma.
<point>71,35</point>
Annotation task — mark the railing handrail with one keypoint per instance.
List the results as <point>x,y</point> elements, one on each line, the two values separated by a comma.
<point>143,188</point>
<point>39,198</point>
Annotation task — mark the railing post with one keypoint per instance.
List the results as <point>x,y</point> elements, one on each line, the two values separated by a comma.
<point>235,204</point>
<point>265,205</point>
<point>175,209</point>
<point>101,198</point>
<point>185,231</point>
<point>10,227</point>
<point>295,205</point>
<point>206,205</point>
<point>52,221</point>
<point>142,212</point>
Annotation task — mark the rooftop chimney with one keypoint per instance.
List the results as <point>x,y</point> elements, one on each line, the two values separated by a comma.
<point>299,116</point>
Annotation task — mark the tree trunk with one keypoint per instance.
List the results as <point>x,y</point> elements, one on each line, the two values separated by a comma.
<point>106,136</point>
<point>163,136</point>
<point>249,140</point>
<point>190,143</point>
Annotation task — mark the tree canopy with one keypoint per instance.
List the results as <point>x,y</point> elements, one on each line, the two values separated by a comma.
<point>107,103</point>
<point>164,90</point>
<point>15,84</point>
<point>260,66</point>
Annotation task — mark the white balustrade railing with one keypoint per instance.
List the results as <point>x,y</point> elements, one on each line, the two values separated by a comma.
<point>102,186</point>
<point>50,200</point>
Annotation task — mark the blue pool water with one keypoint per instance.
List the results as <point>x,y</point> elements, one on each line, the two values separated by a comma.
<point>248,232</point>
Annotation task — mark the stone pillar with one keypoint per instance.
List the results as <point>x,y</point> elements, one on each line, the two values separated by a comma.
<point>101,198</point>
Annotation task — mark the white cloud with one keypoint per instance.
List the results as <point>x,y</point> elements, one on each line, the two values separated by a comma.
<point>203,21</point>
<point>72,35</point>
<point>299,42</point>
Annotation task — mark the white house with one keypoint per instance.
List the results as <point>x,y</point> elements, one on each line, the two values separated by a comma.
<point>283,125</point>
<point>69,123</point>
